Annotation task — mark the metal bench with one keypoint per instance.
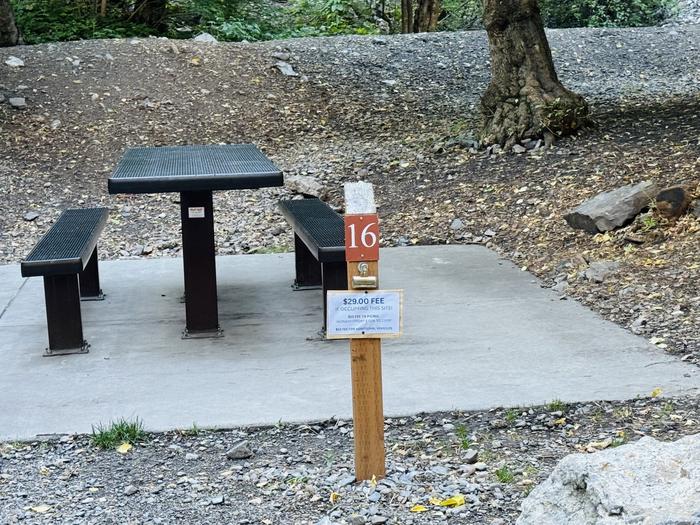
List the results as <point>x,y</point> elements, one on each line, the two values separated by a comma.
<point>319,246</point>
<point>66,256</point>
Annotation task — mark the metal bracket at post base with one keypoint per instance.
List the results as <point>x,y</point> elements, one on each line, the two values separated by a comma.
<point>84,348</point>
<point>202,334</point>
<point>99,297</point>
<point>300,287</point>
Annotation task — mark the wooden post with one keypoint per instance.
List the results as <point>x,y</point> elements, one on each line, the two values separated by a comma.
<point>366,358</point>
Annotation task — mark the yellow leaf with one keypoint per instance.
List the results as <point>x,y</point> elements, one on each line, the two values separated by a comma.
<point>435,501</point>
<point>44,471</point>
<point>455,501</point>
<point>196,61</point>
<point>41,509</point>
<point>124,448</point>
<point>419,508</point>
<point>560,421</point>
<point>334,498</point>
<point>656,392</point>
<point>373,481</point>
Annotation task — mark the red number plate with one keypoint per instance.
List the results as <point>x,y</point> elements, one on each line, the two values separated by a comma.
<point>362,237</point>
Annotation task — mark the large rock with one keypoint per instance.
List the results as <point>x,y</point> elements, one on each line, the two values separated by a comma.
<point>611,209</point>
<point>648,482</point>
<point>305,185</point>
<point>673,202</point>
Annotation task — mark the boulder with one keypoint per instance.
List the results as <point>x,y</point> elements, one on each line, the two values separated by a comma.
<point>648,482</point>
<point>673,202</point>
<point>611,209</point>
<point>206,38</point>
<point>305,185</point>
<point>598,271</point>
<point>285,68</point>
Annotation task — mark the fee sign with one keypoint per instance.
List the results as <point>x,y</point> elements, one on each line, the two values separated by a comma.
<point>364,314</point>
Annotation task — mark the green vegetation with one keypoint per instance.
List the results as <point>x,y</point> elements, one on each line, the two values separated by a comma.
<point>504,474</point>
<point>511,415</point>
<point>556,405</point>
<point>236,20</point>
<point>463,435</point>
<point>118,432</point>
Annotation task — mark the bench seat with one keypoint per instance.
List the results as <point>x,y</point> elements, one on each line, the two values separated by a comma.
<point>319,246</point>
<point>66,257</point>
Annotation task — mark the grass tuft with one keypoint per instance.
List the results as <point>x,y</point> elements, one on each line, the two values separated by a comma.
<point>504,475</point>
<point>118,432</point>
<point>556,405</point>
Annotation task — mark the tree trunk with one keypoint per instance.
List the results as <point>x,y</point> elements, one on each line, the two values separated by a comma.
<point>406,16</point>
<point>9,34</point>
<point>150,13</point>
<point>525,98</point>
<point>426,16</point>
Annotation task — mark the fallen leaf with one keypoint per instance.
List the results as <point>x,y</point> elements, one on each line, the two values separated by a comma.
<point>455,501</point>
<point>656,392</point>
<point>124,448</point>
<point>334,497</point>
<point>419,508</point>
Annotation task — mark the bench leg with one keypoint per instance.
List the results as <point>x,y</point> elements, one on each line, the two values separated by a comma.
<point>89,280</point>
<point>335,277</point>
<point>63,315</point>
<point>308,269</point>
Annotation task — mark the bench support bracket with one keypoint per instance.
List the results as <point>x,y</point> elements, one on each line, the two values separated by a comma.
<point>90,280</point>
<point>63,315</point>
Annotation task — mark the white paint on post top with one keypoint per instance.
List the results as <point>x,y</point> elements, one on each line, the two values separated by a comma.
<point>359,198</point>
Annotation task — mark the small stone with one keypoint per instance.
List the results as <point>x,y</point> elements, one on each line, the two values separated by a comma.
<point>376,520</point>
<point>489,233</point>
<point>18,102</point>
<point>457,224</point>
<point>517,148</point>
<point>598,271</point>
<point>695,211</point>
<point>130,490</point>
<point>240,450</point>
<point>55,124</point>
<point>480,466</point>
<point>471,456</point>
<point>190,456</point>
<point>305,185</point>
<point>205,37</point>
<point>30,216</point>
<point>282,56</point>
<point>218,500</point>
<point>286,69</point>
<point>14,62</point>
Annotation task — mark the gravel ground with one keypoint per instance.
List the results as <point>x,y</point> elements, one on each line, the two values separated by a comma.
<point>303,474</point>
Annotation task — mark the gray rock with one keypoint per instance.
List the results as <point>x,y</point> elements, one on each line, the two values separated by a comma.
<point>130,490</point>
<point>560,287</point>
<point>286,69</point>
<point>305,185</point>
<point>517,148</point>
<point>598,271</point>
<point>648,482</point>
<point>240,450</point>
<point>457,224</point>
<point>217,500</point>
<point>18,102</point>
<point>30,216</point>
<point>611,209</point>
<point>471,456</point>
<point>205,37</point>
<point>282,56</point>
<point>14,62</point>
<point>377,520</point>
<point>191,456</point>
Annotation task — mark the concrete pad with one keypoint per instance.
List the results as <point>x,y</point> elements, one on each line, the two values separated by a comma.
<point>479,333</point>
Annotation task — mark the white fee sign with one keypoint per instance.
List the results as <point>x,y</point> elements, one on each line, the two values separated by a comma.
<point>364,314</point>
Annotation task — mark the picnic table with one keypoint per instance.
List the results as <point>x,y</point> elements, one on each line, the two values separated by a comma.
<point>195,172</point>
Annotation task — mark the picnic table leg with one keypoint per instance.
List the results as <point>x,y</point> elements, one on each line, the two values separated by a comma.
<point>63,315</point>
<point>90,280</point>
<point>201,309</point>
<point>308,269</point>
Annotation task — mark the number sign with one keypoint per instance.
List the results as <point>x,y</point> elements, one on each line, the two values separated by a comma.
<point>362,237</point>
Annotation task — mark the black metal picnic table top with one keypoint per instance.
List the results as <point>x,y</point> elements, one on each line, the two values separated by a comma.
<point>193,168</point>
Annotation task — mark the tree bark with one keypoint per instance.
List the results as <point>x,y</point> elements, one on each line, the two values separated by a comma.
<point>9,34</point>
<point>151,13</point>
<point>426,16</point>
<point>525,98</point>
<point>406,16</point>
